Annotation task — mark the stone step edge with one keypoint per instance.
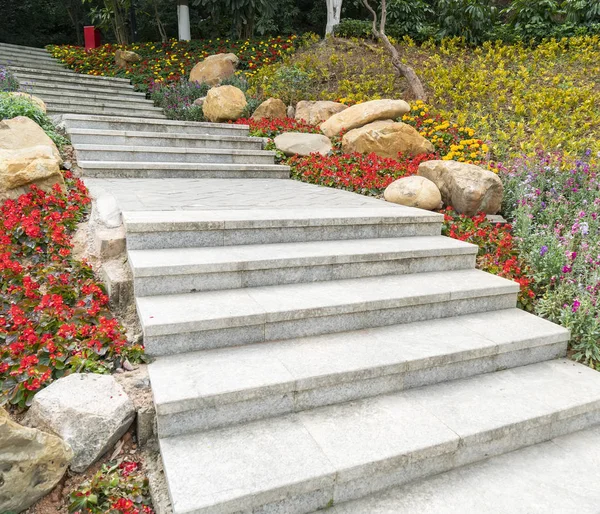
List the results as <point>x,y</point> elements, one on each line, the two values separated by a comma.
<point>164,135</point>
<point>71,74</point>
<point>334,478</point>
<point>196,263</point>
<point>172,396</point>
<point>172,150</point>
<point>143,121</point>
<point>91,98</point>
<point>127,105</point>
<point>178,166</point>
<point>74,89</point>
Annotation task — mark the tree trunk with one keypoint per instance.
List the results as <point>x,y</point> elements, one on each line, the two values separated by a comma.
<point>405,70</point>
<point>334,12</point>
<point>159,23</point>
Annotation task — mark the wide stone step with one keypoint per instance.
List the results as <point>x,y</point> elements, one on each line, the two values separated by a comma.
<point>29,58</point>
<point>158,139</point>
<point>162,170</point>
<point>74,90</point>
<point>159,125</point>
<point>202,228</point>
<point>100,109</point>
<point>172,154</point>
<point>67,75</point>
<point>315,459</point>
<point>38,64</point>
<point>546,477</point>
<point>198,321</point>
<point>210,389</point>
<point>185,270</point>
<point>30,50</point>
<point>125,105</point>
<point>129,98</point>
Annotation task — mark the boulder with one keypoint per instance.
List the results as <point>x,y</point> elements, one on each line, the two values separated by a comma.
<point>214,69</point>
<point>314,113</point>
<point>414,191</point>
<point>21,168</point>
<point>361,114</point>
<point>386,139</point>
<point>270,109</point>
<point>224,103</point>
<point>38,101</point>
<point>22,132</point>
<point>298,143</point>
<point>125,57</point>
<point>31,464</point>
<point>90,412</point>
<point>466,187</point>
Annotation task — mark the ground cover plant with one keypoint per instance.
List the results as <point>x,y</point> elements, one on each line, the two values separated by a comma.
<point>8,81</point>
<point>54,316</point>
<point>173,60</point>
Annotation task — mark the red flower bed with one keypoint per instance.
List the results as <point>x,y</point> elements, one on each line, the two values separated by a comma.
<point>272,128</point>
<point>53,314</point>
<point>498,253</point>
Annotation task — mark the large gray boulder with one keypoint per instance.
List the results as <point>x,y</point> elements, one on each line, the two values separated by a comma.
<point>466,187</point>
<point>90,412</point>
<point>31,464</point>
<point>299,143</point>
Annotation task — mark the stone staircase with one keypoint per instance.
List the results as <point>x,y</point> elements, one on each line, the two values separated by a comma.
<point>314,348</point>
<point>65,91</point>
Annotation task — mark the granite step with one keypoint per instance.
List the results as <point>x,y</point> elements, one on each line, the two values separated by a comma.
<point>158,125</point>
<point>151,112</point>
<point>27,57</point>
<point>30,50</point>
<point>67,75</point>
<point>161,139</point>
<point>202,228</point>
<point>59,95</point>
<point>37,64</point>
<point>215,388</point>
<point>198,321</point>
<point>162,170</point>
<point>186,270</point>
<point>314,459</point>
<point>74,90</point>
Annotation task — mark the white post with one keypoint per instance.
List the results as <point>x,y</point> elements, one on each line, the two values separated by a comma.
<point>334,11</point>
<point>183,19</point>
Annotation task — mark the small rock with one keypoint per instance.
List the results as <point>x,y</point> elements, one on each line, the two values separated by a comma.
<point>107,211</point>
<point>387,139</point>
<point>298,143</point>
<point>214,69</point>
<point>314,113</point>
<point>32,462</point>
<point>224,103</point>
<point>270,109</point>
<point>466,187</point>
<point>127,365</point>
<point>125,57</point>
<point>290,111</point>
<point>361,114</point>
<point>199,101</point>
<point>90,412</point>
<point>119,370</point>
<point>67,165</point>
<point>414,191</point>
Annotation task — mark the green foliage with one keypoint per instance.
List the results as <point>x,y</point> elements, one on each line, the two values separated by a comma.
<point>354,28</point>
<point>8,82</point>
<point>582,11</point>
<point>289,83</point>
<point>468,19</point>
<point>13,106</point>
<point>177,99</point>
<point>409,17</point>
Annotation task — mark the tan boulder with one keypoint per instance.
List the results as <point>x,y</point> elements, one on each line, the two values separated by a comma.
<point>23,167</point>
<point>270,109</point>
<point>22,132</point>
<point>32,462</point>
<point>387,139</point>
<point>414,191</point>
<point>314,113</point>
<point>466,187</point>
<point>299,143</point>
<point>224,103</point>
<point>125,57</point>
<point>361,114</point>
<point>38,101</point>
<point>214,69</point>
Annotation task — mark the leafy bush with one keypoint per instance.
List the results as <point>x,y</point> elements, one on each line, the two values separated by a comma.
<point>289,83</point>
<point>8,82</point>
<point>13,106</point>
<point>468,19</point>
<point>177,99</point>
<point>354,28</point>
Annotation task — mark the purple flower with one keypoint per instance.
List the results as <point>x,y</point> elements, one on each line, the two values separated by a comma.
<point>576,305</point>
<point>543,250</point>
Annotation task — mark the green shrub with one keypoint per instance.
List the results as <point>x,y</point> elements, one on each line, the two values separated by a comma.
<point>468,19</point>
<point>8,82</point>
<point>13,106</point>
<point>177,99</point>
<point>288,83</point>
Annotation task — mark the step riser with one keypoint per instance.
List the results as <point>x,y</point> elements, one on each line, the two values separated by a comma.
<point>125,106</point>
<point>198,158</point>
<point>318,494</point>
<point>90,139</point>
<point>85,92</point>
<point>68,73</point>
<point>6,50</point>
<point>263,235</point>
<point>223,130</point>
<point>69,78</point>
<point>217,413</point>
<point>167,173</point>
<point>169,344</point>
<point>138,113</point>
<point>40,65</point>
<point>310,272</point>
<point>27,58</point>
<point>74,98</point>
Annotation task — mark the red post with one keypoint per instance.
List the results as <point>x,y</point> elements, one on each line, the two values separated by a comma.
<point>92,37</point>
